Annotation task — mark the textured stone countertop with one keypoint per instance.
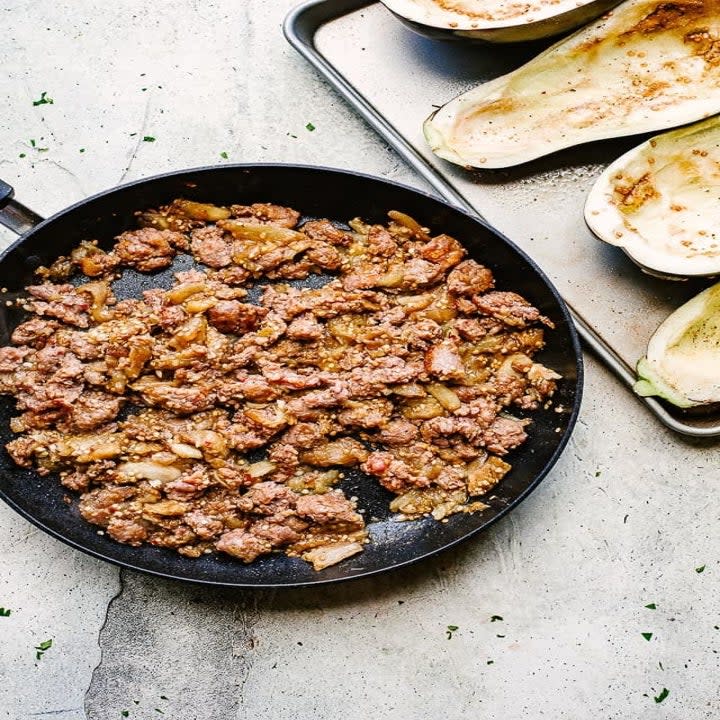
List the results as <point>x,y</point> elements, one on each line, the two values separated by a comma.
<point>622,522</point>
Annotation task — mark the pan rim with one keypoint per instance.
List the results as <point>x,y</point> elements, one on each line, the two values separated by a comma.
<point>549,464</point>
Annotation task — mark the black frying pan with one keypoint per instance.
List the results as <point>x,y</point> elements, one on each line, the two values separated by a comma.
<point>317,192</point>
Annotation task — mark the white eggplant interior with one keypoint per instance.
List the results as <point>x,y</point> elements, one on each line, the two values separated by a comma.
<point>661,201</point>
<point>480,14</point>
<point>647,65</point>
<point>683,355</point>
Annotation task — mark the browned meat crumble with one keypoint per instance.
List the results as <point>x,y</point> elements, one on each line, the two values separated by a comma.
<point>404,364</point>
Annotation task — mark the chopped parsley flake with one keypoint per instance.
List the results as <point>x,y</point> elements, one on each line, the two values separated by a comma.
<point>647,636</point>
<point>496,618</point>
<point>5,612</point>
<point>22,155</point>
<point>82,149</point>
<point>42,647</point>
<point>651,606</point>
<point>450,630</point>
<point>162,697</point>
<point>125,713</point>
<point>224,155</point>
<point>598,473</point>
<point>500,636</point>
<point>44,100</point>
<point>490,662</point>
<point>700,569</point>
<point>663,694</point>
<point>148,138</point>
<point>310,127</point>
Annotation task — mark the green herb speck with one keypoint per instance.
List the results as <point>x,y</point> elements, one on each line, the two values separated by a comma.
<point>496,618</point>
<point>82,150</point>
<point>490,662</point>
<point>700,569</point>
<point>647,636</point>
<point>148,138</point>
<point>310,127</point>
<point>44,100</point>
<point>162,697</point>
<point>598,473</point>
<point>22,155</point>
<point>450,630</point>
<point>651,606</point>
<point>5,612</point>
<point>224,155</point>
<point>42,647</point>
<point>663,694</point>
<point>125,713</point>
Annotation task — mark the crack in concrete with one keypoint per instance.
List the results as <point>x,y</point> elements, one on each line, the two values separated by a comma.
<point>54,712</point>
<point>247,615</point>
<point>113,599</point>
<point>140,135</point>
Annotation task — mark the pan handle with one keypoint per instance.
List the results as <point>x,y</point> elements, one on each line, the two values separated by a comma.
<point>15,215</point>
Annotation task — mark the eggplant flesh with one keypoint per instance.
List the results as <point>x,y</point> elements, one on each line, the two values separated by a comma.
<point>497,21</point>
<point>644,66</point>
<point>660,202</point>
<point>682,362</point>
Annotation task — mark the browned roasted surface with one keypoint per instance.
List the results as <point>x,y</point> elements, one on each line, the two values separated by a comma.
<point>405,365</point>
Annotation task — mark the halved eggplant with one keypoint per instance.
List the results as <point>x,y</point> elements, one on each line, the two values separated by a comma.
<point>660,202</point>
<point>682,363</point>
<point>496,20</point>
<point>647,65</point>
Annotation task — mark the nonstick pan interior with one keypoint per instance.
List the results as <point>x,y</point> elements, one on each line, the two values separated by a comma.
<point>316,192</point>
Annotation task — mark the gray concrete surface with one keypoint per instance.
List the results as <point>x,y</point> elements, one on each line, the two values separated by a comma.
<point>623,521</point>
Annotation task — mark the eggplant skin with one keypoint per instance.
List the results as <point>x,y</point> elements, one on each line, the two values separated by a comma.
<point>682,363</point>
<point>645,66</point>
<point>544,23</point>
<point>660,202</point>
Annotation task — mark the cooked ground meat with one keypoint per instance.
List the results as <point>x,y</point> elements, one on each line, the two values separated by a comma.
<point>400,365</point>
<point>148,249</point>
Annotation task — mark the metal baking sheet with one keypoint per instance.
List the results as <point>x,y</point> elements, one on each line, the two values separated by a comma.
<point>395,78</point>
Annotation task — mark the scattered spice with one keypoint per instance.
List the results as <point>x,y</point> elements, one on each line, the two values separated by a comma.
<point>44,100</point>
<point>148,138</point>
<point>450,630</point>
<point>663,694</point>
<point>490,662</point>
<point>496,618</point>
